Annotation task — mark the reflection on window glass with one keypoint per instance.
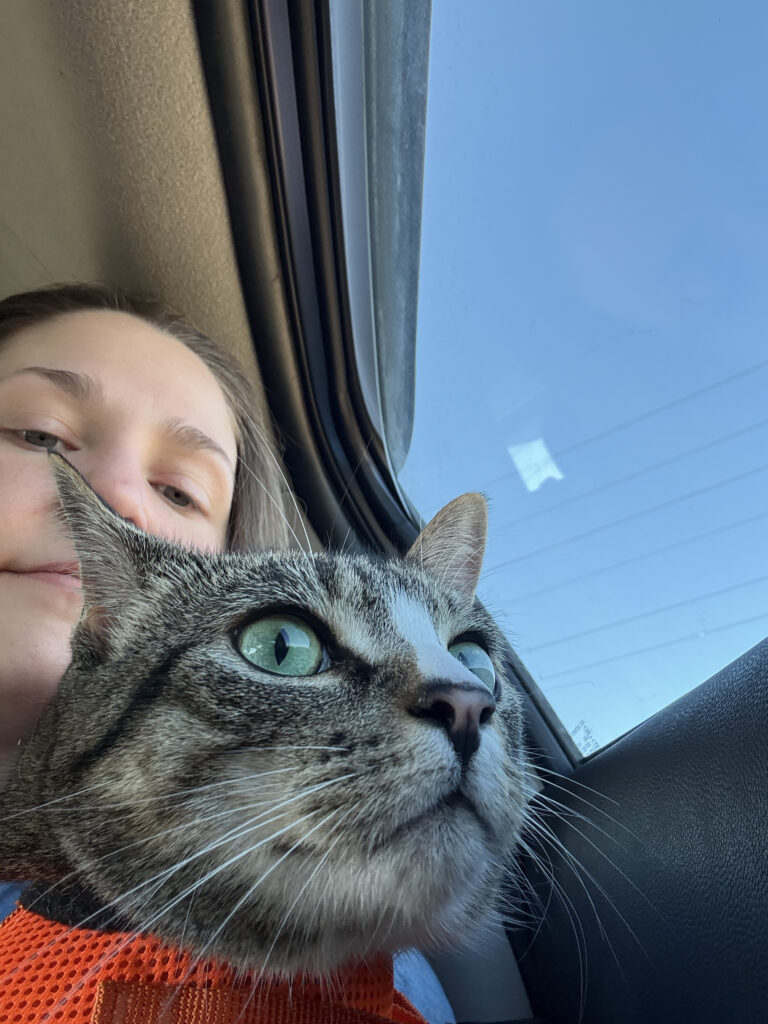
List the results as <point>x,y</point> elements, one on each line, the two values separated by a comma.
<point>591,353</point>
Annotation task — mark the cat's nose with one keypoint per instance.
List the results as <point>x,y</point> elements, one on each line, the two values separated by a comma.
<point>460,710</point>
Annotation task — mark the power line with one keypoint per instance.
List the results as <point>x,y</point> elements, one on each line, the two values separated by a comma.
<point>635,515</point>
<point>662,408</point>
<point>633,476</point>
<point>635,558</point>
<point>644,416</point>
<point>645,615</point>
<point>645,650</point>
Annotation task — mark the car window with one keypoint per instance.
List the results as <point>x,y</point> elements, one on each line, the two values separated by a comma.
<point>590,336</point>
<point>589,345</point>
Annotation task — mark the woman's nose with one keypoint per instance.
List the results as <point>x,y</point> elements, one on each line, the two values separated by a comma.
<point>123,487</point>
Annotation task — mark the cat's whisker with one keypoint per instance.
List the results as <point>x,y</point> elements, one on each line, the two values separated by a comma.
<point>517,917</point>
<point>521,904</point>
<point>240,830</point>
<point>564,813</point>
<point>545,834</point>
<point>556,890</point>
<point>530,888</point>
<point>346,538</point>
<point>595,847</point>
<point>289,746</point>
<point>146,925</point>
<point>184,826</point>
<point>56,800</point>
<point>512,912</point>
<point>268,447</point>
<point>162,796</point>
<point>315,870</point>
<point>161,877</point>
<point>573,918</point>
<point>270,805</point>
<point>525,885</point>
<point>482,938</point>
<point>278,507</point>
<point>538,795</point>
<point>535,767</point>
<point>192,790</point>
<point>185,925</point>
<point>248,894</point>
<point>348,485</point>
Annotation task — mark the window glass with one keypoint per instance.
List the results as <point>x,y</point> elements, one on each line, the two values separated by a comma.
<point>591,323</point>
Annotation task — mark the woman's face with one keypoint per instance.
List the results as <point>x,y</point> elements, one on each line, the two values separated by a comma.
<point>145,422</point>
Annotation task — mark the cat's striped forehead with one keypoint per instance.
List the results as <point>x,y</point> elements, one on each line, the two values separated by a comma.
<point>377,610</point>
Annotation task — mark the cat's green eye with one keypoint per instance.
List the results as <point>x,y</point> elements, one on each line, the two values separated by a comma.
<point>476,660</point>
<point>283,645</point>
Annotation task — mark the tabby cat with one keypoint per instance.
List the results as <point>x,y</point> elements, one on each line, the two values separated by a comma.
<point>277,759</point>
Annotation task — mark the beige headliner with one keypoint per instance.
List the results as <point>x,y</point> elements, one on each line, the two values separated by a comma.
<point>109,170</point>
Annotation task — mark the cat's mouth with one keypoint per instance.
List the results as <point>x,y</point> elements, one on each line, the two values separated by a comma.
<point>457,799</point>
<point>454,799</point>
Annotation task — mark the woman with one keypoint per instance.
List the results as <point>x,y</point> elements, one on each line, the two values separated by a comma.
<point>160,421</point>
<point>156,417</point>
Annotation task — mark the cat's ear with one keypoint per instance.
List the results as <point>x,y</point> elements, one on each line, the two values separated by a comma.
<point>115,558</point>
<point>451,546</point>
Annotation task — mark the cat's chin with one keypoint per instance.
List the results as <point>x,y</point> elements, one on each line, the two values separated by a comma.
<point>428,884</point>
<point>431,883</point>
<point>422,823</point>
<point>411,891</point>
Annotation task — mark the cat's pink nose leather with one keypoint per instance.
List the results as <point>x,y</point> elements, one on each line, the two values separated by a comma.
<point>461,710</point>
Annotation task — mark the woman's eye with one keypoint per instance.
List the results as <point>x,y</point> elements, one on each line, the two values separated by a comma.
<point>40,439</point>
<point>283,645</point>
<point>176,496</point>
<point>476,660</point>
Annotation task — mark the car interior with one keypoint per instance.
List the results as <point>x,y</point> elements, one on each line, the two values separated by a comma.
<point>189,150</point>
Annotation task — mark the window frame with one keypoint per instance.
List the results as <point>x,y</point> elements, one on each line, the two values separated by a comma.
<point>273,111</point>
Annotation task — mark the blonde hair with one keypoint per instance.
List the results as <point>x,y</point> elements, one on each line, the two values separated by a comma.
<point>257,517</point>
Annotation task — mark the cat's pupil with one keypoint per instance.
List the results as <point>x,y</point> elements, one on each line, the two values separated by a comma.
<point>281,646</point>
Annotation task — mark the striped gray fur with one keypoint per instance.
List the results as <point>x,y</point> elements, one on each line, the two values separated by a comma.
<point>278,822</point>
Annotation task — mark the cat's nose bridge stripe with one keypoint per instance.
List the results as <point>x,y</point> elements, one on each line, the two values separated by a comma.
<point>414,624</point>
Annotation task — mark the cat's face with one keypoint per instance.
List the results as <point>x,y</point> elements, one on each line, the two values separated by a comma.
<point>282,759</point>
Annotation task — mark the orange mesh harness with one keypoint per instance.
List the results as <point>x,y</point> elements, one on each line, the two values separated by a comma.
<point>49,972</point>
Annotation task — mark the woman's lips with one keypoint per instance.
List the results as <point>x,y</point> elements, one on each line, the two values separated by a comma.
<point>58,579</point>
<point>65,576</point>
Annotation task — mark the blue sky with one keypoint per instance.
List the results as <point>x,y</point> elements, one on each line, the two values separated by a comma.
<point>592,307</point>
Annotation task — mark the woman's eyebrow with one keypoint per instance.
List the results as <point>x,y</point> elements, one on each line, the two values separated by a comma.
<point>78,385</point>
<point>187,436</point>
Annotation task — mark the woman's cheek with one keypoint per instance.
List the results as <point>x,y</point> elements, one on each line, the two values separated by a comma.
<point>35,632</point>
